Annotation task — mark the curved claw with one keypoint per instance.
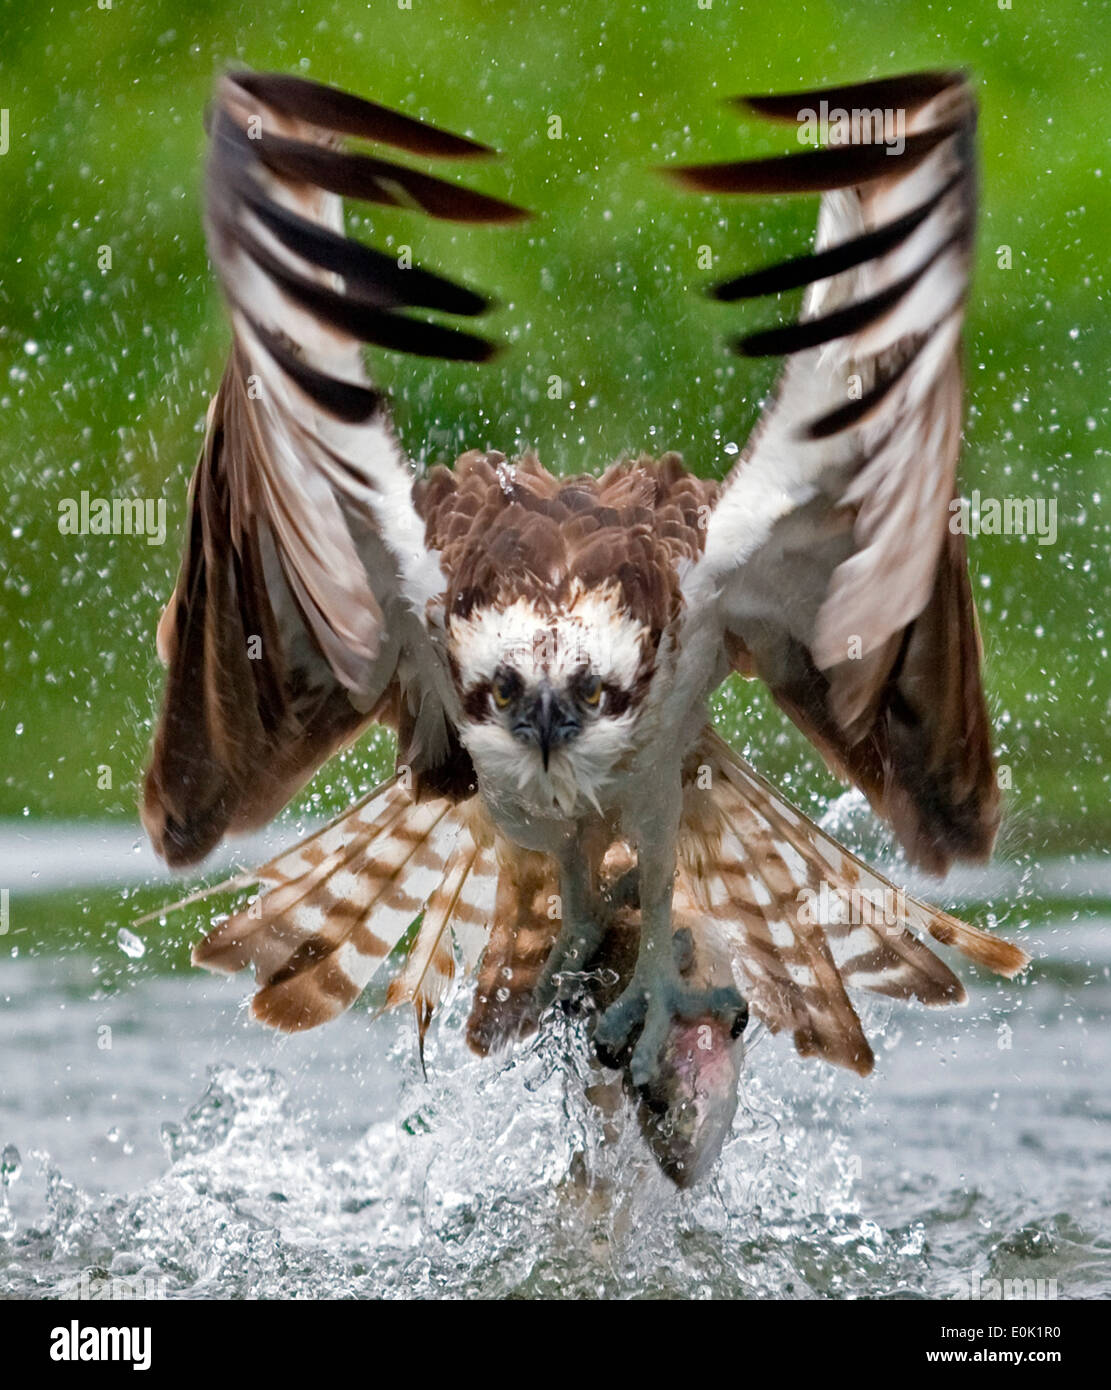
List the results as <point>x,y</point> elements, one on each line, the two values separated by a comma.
<point>616,1025</point>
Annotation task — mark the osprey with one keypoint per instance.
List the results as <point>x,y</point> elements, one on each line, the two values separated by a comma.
<point>563,821</point>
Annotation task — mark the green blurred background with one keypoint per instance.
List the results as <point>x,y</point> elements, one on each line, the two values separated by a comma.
<point>105,376</point>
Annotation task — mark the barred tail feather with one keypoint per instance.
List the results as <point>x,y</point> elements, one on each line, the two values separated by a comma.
<point>251,937</point>
<point>994,952</point>
<point>779,887</point>
<point>336,905</point>
<point>460,907</point>
<point>524,931</point>
<point>275,871</point>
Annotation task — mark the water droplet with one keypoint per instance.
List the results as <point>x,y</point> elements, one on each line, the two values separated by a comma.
<point>11,1165</point>
<point>130,944</point>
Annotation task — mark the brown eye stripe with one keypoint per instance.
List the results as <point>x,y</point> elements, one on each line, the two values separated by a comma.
<point>617,700</point>
<point>476,704</point>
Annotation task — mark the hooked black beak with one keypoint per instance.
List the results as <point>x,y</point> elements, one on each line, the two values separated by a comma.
<point>544,722</point>
<point>548,722</point>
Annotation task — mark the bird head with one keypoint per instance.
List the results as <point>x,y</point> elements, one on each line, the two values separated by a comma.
<point>550,695</point>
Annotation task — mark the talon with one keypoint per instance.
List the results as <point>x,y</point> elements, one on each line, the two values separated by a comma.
<point>727,1005</point>
<point>614,1028</point>
<point>657,1010</point>
<point>682,948</point>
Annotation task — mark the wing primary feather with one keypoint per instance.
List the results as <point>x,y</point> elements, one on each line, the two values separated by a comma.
<point>350,174</point>
<point>820,265</point>
<point>856,412</point>
<point>907,90</point>
<point>375,274</point>
<point>839,323</point>
<point>347,313</point>
<point>813,171</point>
<point>346,400</point>
<point>334,109</point>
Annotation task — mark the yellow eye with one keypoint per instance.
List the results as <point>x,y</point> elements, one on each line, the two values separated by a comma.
<point>591,691</point>
<point>502,691</point>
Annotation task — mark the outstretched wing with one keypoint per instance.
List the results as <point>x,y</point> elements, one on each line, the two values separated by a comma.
<point>838,577</point>
<point>298,612</point>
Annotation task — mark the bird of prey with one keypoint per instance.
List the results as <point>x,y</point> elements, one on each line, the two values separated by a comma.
<point>563,822</point>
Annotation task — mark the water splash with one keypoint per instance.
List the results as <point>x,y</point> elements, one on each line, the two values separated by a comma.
<point>492,1181</point>
<point>496,1180</point>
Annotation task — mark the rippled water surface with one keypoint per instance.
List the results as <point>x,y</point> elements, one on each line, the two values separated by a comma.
<point>205,1155</point>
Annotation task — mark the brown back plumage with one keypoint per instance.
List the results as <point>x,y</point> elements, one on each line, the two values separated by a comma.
<point>515,529</point>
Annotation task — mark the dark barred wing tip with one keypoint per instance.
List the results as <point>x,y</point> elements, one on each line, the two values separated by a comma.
<point>352,174</point>
<point>240,205</point>
<point>840,323</point>
<point>331,108</point>
<point>346,400</point>
<point>909,91</point>
<point>799,271</point>
<point>855,412</point>
<point>813,171</point>
<point>838,167</point>
<point>373,276</point>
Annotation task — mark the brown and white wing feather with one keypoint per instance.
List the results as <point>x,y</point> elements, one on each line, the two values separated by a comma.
<point>472,920</point>
<point>305,575</point>
<point>829,554</point>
